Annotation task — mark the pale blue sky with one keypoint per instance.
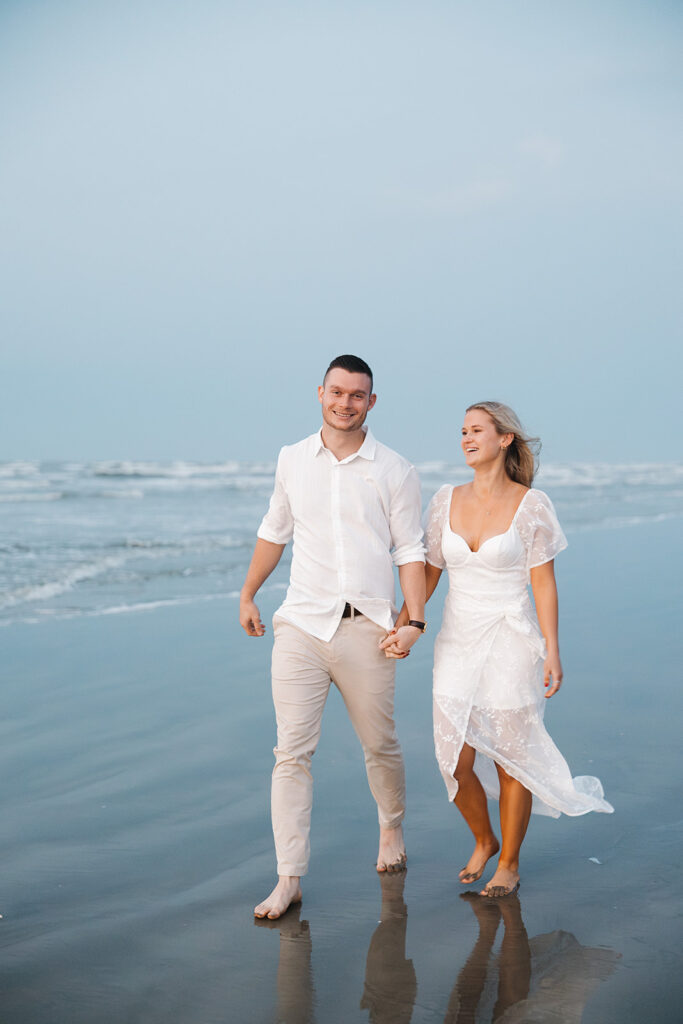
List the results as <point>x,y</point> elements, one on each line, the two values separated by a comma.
<point>203,203</point>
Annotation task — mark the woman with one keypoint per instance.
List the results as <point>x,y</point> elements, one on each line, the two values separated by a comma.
<point>491,661</point>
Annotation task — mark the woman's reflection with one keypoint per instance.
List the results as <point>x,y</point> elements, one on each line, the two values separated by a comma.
<point>514,961</point>
<point>548,978</point>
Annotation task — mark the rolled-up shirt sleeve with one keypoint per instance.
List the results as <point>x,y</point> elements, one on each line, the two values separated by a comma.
<point>405,521</point>
<point>277,526</point>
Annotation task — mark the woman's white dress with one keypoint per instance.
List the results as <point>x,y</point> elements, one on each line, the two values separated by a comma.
<point>488,659</point>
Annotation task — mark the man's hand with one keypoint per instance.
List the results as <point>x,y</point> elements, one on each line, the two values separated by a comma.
<point>263,561</point>
<point>397,644</point>
<point>250,619</point>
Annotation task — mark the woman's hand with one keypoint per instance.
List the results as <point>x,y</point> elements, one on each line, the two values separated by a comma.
<point>552,674</point>
<point>545,598</point>
<point>398,642</point>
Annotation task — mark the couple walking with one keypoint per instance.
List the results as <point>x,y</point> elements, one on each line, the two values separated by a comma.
<point>352,508</point>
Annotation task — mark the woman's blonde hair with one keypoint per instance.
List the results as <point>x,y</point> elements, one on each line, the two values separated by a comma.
<point>521,455</point>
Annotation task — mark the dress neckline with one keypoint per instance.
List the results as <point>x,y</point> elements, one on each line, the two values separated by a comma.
<point>495,535</point>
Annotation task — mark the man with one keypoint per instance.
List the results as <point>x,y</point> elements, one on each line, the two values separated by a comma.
<point>352,507</point>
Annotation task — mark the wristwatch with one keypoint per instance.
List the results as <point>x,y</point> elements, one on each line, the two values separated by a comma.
<point>422,626</point>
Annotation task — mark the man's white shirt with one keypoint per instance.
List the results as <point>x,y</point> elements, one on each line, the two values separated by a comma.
<point>351,522</point>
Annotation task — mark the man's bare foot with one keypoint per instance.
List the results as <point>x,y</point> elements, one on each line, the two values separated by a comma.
<point>481,854</point>
<point>290,925</point>
<point>286,892</point>
<point>392,852</point>
<point>504,883</point>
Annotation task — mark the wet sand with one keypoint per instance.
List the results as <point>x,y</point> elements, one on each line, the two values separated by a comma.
<point>134,773</point>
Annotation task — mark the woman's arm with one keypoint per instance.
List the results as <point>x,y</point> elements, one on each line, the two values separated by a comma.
<point>544,588</point>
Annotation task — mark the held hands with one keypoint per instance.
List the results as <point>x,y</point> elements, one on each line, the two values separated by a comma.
<point>398,642</point>
<point>250,619</point>
<point>552,674</point>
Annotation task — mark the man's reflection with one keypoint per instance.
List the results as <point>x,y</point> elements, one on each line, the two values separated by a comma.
<point>390,983</point>
<point>295,989</point>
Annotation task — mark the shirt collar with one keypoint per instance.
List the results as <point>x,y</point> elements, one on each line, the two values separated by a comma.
<point>366,451</point>
<point>369,446</point>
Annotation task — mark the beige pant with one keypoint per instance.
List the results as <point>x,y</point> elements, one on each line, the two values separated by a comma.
<point>303,668</point>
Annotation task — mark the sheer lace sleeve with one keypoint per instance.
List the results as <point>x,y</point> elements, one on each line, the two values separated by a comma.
<point>434,519</point>
<point>539,529</point>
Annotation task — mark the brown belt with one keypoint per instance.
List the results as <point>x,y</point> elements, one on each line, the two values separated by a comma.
<point>350,611</point>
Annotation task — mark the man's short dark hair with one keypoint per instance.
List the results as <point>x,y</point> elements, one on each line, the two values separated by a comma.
<point>352,364</point>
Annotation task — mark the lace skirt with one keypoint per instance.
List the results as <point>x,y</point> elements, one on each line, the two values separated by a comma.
<point>489,694</point>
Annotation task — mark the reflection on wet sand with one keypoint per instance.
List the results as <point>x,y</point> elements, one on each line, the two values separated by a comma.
<point>295,988</point>
<point>390,983</point>
<point>514,971</point>
<point>547,978</point>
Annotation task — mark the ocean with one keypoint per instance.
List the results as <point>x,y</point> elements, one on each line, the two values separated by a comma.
<point>136,743</point>
<point>105,538</point>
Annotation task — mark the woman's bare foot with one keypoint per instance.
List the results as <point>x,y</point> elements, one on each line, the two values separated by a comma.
<point>286,892</point>
<point>504,883</point>
<point>392,852</point>
<point>481,854</point>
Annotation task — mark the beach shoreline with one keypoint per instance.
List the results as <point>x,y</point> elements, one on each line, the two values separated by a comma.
<point>135,760</point>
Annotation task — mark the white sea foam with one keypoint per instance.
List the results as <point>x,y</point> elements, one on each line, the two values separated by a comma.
<point>577,475</point>
<point>41,614</point>
<point>133,493</point>
<point>16,496</point>
<point>45,591</point>
<point>155,476</point>
<point>179,469</point>
<point>134,549</point>
<point>245,482</point>
<point>26,483</point>
<point>620,522</point>
<point>610,474</point>
<point>146,606</point>
<point>18,469</point>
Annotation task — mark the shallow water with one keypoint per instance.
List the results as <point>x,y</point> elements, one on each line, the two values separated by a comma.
<point>104,538</point>
<point>134,767</point>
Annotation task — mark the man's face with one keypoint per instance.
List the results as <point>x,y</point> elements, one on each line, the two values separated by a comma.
<point>346,399</point>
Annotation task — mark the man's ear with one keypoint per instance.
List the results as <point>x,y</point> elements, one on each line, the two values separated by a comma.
<point>373,399</point>
<point>321,389</point>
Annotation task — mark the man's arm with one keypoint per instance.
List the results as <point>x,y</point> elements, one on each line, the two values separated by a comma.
<point>275,531</point>
<point>408,556</point>
<point>413,587</point>
<point>432,576</point>
<point>266,556</point>
<point>412,579</point>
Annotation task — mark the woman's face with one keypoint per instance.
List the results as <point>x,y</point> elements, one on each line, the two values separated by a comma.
<point>481,442</point>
